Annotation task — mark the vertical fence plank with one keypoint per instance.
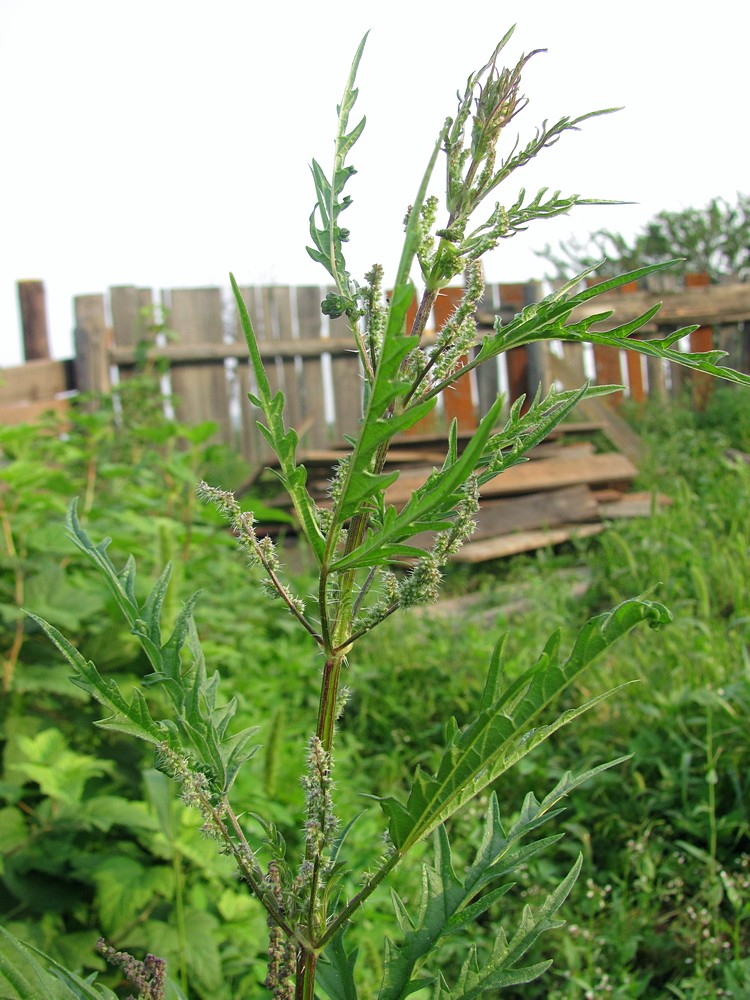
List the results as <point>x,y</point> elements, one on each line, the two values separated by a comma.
<point>608,371</point>
<point>201,391</point>
<point>33,303</point>
<point>129,307</point>
<point>283,332</point>
<point>91,340</point>
<point>635,376</point>
<point>312,388</point>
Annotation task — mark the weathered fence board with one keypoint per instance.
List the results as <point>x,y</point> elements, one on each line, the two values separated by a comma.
<point>27,391</point>
<point>33,303</point>
<point>91,340</point>
<point>313,360</point>
<point>201,391</point>
<point>316,434</point>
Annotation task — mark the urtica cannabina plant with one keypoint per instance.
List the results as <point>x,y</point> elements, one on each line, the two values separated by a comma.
<point>369,567</point>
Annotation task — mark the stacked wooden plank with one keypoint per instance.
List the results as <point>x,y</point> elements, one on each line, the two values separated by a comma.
<point>566,490</point>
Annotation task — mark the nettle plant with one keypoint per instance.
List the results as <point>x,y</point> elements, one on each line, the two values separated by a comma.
<point>369,568</point>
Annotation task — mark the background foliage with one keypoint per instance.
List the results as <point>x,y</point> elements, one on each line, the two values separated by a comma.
<point>93,840</point>
<point>714,240</point>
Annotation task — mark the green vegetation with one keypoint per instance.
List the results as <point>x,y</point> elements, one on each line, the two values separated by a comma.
<point>713,240</point>
<point>94,842</point>
<point>95,837</point>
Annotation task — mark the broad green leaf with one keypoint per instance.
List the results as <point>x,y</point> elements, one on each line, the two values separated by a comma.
<point>335,974</point>
<point>35,976</point>
<point>125,888</point>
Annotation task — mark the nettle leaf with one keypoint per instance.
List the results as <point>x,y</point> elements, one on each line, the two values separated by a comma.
<point>199,725</point>
<point>381,419</point>
<point>502,732</point>
<point>335,974</point>
<point>523,431</point>
<point>125,888</point>
<point>702,361</point>
<point>32,975</point>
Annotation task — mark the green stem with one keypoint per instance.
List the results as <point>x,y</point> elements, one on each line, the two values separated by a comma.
<point>328,694</point>
<point>423,312</point>
<point>305,978</point>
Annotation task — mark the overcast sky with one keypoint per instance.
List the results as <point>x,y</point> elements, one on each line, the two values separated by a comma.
<point>167,142</point>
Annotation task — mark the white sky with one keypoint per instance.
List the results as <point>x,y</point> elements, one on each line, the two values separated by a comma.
<point>167,142</point>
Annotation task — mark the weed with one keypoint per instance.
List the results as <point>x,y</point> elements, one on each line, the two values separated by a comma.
<point>369,567</point>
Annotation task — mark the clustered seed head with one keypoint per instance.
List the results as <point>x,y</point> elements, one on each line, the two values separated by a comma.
<point>375,310</point>
<point>223,500</point>
<point>195,787</point>
<point>389,601</point>
<point>427,221</point>
<point>460,331</point>
<point>339,478</point>
<point>148,976</point>
<point>195,790</point>
<point>267,552</point>
<point>279,978</point>
<point>175,764</point>
<point>422,585</point>
<point>260,550</point>
<point>321,822</point>
<point>325,519</point>
<point>341,699</point>
<point>464,524</point>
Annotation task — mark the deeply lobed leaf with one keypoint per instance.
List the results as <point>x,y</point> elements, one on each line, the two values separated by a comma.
<point>502,732</point>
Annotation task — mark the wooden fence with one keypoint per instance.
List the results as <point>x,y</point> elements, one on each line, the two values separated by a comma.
<point>311,358</point>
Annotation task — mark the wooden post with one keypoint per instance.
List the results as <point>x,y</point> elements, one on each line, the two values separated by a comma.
<point>488,376</point>
<point>128,306</point>
<point>313,388</point>
<point>607,360</point>
<point>92,337</point>
<point>538,353</point>
<point>31,298</point>
<point>201,391</point>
